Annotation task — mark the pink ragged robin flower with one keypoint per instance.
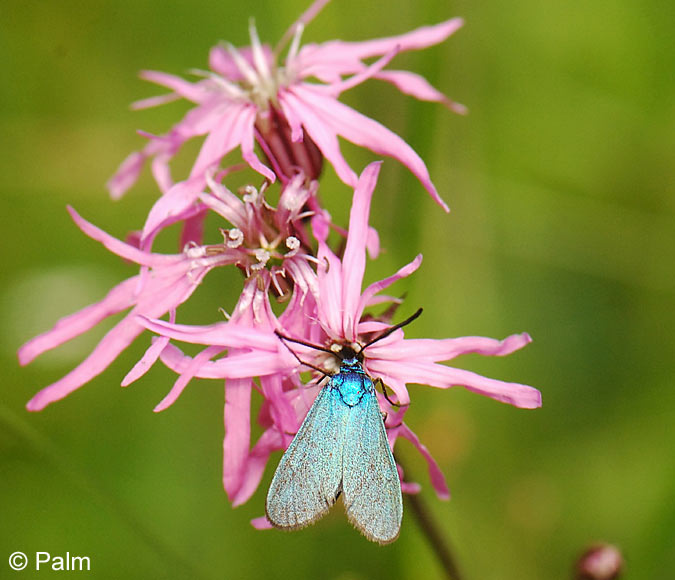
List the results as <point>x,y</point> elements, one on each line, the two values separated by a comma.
<point>250,95</point>
<point>263,240</point>
<point>334,316</point>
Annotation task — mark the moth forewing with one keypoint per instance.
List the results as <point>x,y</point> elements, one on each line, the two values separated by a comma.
<point>307,480</point>
<point>370,482</point>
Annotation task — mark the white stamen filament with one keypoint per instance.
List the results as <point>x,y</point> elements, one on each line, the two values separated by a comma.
<point>305,214</point>
<point>275,281</point>
<point>287,74</point>
<point>258,54</point>
<point>230,89</point>
<point>295,44</point>
<point>311,258</point>
<point>244,68</point>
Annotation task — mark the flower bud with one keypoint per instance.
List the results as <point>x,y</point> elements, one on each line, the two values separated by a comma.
<point>600,562</point>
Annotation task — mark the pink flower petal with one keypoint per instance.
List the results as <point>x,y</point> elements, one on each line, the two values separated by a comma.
<point>373,243</point>
<point>221,61</point>
<point>354,259</point>
<point>220,333</point>
<point>106,351</point>
<point>376,287</point>
<point>225,203</point>
<point>156,101</point>
<point>410,488</point>
<point>336,88</point>
<point>323,135</point>
<point>122,249</point>
<point>262,523</point>
<point>237,418</point>
<point>162,172</point>
<point>237,366</point>
<point>269,441</point>
<point>330,291</point>
<point>249,155</point>
<point>233,126</point>
<point>201,119</point>
<point>435,474</point>
<point>193,230</point>
<point>336,118</point>
<point>161,148</point>
<point>280,408</point>
<point>449,348</point>
<point>149,358</point>
<point>329,59</point>
<point>187,375</point>
<point>126,175</point>
<point>437,375</point>
<point>195,92</point>
<point>172,206</point>
<point>412,84</point>
<point>118,299</point>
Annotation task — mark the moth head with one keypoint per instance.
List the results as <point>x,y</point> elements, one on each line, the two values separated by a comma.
<point>346,351</point>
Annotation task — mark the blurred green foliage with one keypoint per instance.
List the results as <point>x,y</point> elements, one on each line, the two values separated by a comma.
<point>561,186</point>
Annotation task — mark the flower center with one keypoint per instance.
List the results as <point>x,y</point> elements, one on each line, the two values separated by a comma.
<point>261,76</point>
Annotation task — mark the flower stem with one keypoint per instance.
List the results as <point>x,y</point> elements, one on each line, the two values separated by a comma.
<point>439,545</point>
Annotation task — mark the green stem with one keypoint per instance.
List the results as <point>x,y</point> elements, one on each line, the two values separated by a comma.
<point>439,545</point>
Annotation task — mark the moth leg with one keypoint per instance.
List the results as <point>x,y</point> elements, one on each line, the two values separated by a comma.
<point>384,392</point>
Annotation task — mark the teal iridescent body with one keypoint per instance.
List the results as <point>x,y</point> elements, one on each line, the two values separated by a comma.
<point>341,448</point>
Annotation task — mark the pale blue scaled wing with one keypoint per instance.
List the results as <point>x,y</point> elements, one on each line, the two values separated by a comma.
<point>370,482</point>
<point>307,480</point>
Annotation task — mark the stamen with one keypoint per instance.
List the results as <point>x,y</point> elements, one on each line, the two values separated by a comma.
<point>290,68</point>
<point>263,256</point>
<point>250,194</point>
<point>242,65</point>
<point>235,238</point>
<point>312,259</point>
<point>277,276</point>
<point>305,214</point>
<point>231,89</point>
<point>258,52</point>
<point>193,251</point>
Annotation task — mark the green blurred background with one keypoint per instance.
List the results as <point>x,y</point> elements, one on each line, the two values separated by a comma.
<point>560,181</point>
